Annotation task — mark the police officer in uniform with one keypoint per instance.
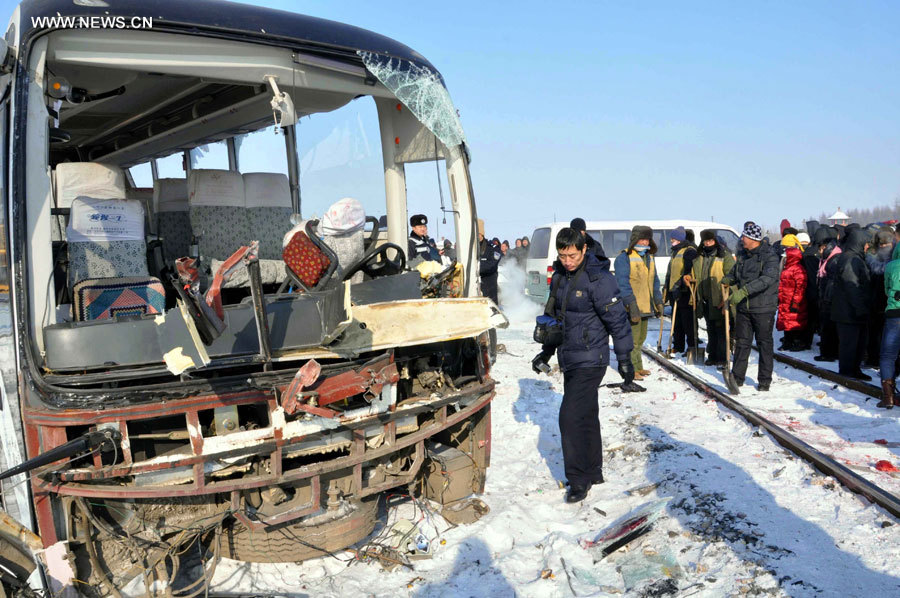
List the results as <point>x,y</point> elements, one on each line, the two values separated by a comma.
<point>489,261</point>
<point>420,244</point>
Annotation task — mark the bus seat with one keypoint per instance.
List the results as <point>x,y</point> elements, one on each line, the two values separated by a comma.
<point>342,229</point>
<point>221,221</point>
<point>269,209</point>
<point>84,179</point>
<point>218,212</point>
<point>173,220</point>
<point>108,260</point>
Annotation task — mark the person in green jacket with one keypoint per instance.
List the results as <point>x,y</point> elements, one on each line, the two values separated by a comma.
<point>713,263</point>
<point>890,335</point>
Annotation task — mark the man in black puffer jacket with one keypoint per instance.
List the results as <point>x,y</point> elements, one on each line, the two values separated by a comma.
<point>851,302</point>
<point>754,290</point>
<point>593,312</point>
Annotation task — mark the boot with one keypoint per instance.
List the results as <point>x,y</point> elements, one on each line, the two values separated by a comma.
<point>887,394</point>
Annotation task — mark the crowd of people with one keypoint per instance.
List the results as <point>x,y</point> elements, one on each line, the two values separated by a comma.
<point>840,283</point>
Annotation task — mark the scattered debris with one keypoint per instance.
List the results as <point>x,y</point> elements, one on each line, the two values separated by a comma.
<point>626,529</point>
<point>642,490</point>
<point>465,511</point>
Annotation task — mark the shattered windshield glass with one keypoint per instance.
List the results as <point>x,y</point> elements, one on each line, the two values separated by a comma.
<point>422,91</point>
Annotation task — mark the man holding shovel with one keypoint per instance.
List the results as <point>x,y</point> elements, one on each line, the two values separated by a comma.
<point>754,291</point>
<point>678,290</point>
<point>713,263</point>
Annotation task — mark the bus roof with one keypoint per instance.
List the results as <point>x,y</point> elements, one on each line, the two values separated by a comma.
<point>227,19</point>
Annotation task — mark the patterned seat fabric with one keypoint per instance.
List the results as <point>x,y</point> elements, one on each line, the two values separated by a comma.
<point>217,212</point>
<point>228,210</point>
<point>84,179</point>
<point>101,299</point>
<point>342,226</point>
<point>269,209</point>
<point>108,260</point>
<point>173,220</point>
<point>305,260</point>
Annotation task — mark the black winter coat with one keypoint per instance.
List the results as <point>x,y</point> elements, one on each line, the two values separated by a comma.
<point>594,312</point>
<point>810,261</point>
<point>851,301</point>
<point>594,246</point>
<point>487,269</point>
<point>757,272</point>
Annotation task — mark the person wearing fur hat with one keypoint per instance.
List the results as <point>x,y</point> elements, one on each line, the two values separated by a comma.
<point>792,304</point>
<point>712,264</point>
<point>677,288</point>
<point>420,244</point>
<point>754,292</point>
<point>638,283</point>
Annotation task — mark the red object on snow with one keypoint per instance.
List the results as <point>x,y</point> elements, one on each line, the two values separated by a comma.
<point>881,441</point>
<point>885,466</point>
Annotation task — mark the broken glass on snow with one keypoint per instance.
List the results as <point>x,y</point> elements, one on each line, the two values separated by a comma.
<point>422,91</point>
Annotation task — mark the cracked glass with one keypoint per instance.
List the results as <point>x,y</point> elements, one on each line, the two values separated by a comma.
<point>422,91</point>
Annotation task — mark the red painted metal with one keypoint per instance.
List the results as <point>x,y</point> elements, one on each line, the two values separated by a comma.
<point>305,376</point>
<point>195,488</point>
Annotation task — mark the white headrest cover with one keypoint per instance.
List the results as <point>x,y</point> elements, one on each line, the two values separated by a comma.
<point>344,217</point>
<point>105,220</point>
<point>267,190</point>
<point>170,195</point>
<point>215,188</point>
<point>88,179</point>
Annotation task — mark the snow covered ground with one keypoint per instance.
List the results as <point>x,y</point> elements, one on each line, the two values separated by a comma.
<point>745,517</point>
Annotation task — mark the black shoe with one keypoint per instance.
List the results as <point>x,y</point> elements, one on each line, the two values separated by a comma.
<point>824,358</point>
<point>577,493</point>
<point>762,387</point>
<point>857,375</point>
<point>714,362</point>
<point>738,381</point>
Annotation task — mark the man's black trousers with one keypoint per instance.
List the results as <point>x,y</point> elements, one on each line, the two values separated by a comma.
<point>684,326</point>
<point>746,326</point>
<point>579,426</point>
<point>852,339</point>
<point>715,330</point>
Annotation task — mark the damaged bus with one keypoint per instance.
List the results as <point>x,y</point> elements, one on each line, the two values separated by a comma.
<point>205,347</point>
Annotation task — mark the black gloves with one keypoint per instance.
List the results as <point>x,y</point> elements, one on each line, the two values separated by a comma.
<point>540,364</point>
<point>634,312</point>
<point>626,368</point>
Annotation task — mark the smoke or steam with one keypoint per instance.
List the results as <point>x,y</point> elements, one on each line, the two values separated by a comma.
<point>511,286</point>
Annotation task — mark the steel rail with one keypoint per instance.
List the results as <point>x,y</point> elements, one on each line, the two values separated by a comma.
<point>851,383</point>
<point>852,481</point>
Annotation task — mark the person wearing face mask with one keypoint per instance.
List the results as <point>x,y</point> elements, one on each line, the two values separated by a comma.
<point>709,268</point>
<point>639,285</point>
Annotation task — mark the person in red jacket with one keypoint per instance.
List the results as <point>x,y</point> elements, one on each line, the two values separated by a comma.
<point>792,308</point>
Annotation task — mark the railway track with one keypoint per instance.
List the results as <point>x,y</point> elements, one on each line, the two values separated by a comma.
<point>824,463</point>
<point>851,383</point>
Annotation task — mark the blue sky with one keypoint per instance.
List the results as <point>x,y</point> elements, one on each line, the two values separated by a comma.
<point>733,111</point>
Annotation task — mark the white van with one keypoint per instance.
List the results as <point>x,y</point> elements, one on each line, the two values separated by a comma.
<point>614,235</point>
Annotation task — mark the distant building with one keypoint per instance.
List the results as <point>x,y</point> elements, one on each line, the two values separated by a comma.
<point>839,218</point>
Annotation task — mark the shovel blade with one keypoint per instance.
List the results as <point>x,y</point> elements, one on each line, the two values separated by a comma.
<point>730,382</point>
<point>695,356</point>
